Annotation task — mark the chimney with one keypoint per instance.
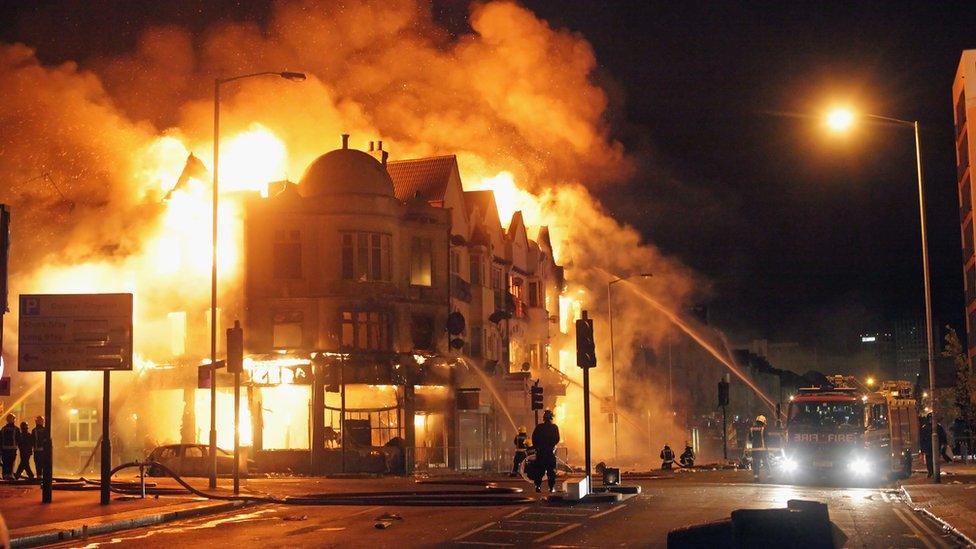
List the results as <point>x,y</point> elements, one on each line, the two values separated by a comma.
<point>384,156</point>
<point>345,141</point>
<point>370,146</point>
<point>379,145</point>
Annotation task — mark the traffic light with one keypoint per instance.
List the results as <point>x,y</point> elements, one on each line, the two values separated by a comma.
<point>537,398</point>
<point>235,348</point>
<point>585,345</point>
<point>723,393</point>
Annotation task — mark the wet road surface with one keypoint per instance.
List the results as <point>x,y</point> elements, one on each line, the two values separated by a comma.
<point>863,517</point>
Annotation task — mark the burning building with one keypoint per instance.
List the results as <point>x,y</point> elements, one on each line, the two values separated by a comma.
<point>417,320</point>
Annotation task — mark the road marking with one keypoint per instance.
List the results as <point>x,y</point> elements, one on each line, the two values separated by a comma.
<point>519,531</point>
<point>559,532</point>
<point>900,513</point>
<point>475,531</point>
<point>537,521</point>
<point>490,543</point>
<point>516,512</point>
<point>608,511</point>
<point>925,527</point>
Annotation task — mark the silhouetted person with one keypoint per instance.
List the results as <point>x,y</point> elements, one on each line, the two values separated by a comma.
<point>25,445</point>
<point>42,448</point>
<point>520,451</point>
<point>687,458</point>
<point>8,446</point>
<point>667,458</point>
<point>545,437</point>
<point>925,441</point>
<point>757,436</point>
<point>943,443</point>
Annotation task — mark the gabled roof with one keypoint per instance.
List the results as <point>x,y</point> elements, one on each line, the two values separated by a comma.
<point>424,177</point>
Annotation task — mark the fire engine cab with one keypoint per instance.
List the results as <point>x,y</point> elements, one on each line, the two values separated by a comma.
<point>850,433</point>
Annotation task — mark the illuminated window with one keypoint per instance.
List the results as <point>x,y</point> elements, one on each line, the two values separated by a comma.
<point>83,427</point>
<point>421,262</point>
<point>177,332</point>
<point>366,331</point>
<point>287,254</point>
<point>287,330</point>
<point>366,256</point>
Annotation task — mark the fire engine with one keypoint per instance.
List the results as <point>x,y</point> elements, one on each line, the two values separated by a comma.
<point>853,433</point>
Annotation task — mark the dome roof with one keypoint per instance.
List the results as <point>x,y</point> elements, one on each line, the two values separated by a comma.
<point>345,171</point>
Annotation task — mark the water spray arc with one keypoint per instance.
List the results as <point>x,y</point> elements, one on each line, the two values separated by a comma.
<point>694,335</point>
<point>491,388</point>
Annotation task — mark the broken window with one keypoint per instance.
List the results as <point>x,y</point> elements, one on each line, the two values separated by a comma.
<point>366,256</point>
<point>366,330</point>
<point>287,330</point>
<point>422,332</point>
<point>287,254</point>
<point>421,262</point>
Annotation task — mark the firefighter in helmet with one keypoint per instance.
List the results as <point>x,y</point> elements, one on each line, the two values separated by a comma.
<point>521,451</point>
<point>667,458</point>
<point>757,436</point>
<point>687,458</point>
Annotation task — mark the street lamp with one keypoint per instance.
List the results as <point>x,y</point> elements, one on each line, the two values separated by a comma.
<point>869,381</point>
<point>613,373</point>
<point>287,75</point>
<point>842,119</point>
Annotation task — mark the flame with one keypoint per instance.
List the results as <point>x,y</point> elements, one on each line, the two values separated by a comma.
<point>252,159</point>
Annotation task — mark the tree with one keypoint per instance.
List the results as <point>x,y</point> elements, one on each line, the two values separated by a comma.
<point>965,397</point>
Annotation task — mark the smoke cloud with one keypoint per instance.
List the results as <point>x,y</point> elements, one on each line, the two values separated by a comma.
<point>91,147</point>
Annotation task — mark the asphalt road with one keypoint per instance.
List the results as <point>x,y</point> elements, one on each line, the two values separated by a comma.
<point>863,517</point>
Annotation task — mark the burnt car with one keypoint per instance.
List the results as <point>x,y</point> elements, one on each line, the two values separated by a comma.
<point>193,460</point>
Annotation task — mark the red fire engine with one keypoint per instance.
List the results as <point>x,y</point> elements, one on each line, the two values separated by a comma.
<point>849,432</point>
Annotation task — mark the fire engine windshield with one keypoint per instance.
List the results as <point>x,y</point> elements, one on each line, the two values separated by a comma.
<point>827,414</point>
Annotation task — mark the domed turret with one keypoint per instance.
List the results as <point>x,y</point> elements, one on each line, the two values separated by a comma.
<point>345,171</point>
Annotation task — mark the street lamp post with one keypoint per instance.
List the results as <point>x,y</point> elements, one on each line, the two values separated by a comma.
<point>294,76</point>
<point>843,119</point>
<point>613,372</point>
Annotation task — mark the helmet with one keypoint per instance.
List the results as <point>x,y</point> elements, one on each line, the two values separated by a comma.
<point>522,429</point>
<point>547,415</point>
<point>761,418</point>
<point>687,443</point>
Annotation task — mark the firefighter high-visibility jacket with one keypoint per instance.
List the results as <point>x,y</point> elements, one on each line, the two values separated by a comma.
<point>757,436</point>
<point>520,445</point>
<point>8,437</point>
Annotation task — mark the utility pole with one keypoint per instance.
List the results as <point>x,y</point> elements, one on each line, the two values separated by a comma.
<point>723,401</point>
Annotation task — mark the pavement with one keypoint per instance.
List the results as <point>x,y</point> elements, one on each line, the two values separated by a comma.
<point>866,517</point>
<point>953,501</point>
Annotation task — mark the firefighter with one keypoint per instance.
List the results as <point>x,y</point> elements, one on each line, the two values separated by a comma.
<point>925,442</point>
<point>757,436</point>
<point>667,458</point>
<point>8,446</point>
<point>521,451</point>
<point>42,447</point>
<point>25,445</point>
<point>687,458</point>
<point>545,437</point>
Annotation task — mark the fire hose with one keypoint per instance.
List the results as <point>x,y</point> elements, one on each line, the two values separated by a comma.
<point>489,494</point>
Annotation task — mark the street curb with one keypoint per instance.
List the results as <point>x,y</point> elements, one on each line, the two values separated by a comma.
<point>86,530</point>
<point>945,525</point>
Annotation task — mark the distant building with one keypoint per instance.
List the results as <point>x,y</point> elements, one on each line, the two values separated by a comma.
<point>881,346</point>
<point>964,101</point>
<point>787,355</point>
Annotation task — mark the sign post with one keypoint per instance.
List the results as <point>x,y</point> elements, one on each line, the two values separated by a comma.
<point>75,332</point>
<point>586,359</point>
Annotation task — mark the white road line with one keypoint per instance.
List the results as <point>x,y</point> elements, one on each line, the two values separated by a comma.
<point>516,512</point>
<point>537,521</point>
<point>559,532</point>
<point>508,531</point>
<point>900,513</point>
<point>489,543</point>
<point>924,527</point>
<point>608,511</point>
<point>475,531</point>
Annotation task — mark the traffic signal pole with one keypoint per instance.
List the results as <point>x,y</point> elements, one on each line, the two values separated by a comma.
<point>586,359</point>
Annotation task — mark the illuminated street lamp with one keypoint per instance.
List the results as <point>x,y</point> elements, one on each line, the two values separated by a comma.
<point>613,374</point>
<point>869,381</point>
<point>842,119</point>
<point>287,75</point>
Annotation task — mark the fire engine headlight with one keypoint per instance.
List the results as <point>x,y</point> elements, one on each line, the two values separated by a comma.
<point>789,465</point>
<point>859,466</point>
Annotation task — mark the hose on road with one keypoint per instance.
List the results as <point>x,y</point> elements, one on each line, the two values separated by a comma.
<point>489,494</point>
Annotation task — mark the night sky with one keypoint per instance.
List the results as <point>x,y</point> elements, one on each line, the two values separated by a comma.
<point>803,236</point>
